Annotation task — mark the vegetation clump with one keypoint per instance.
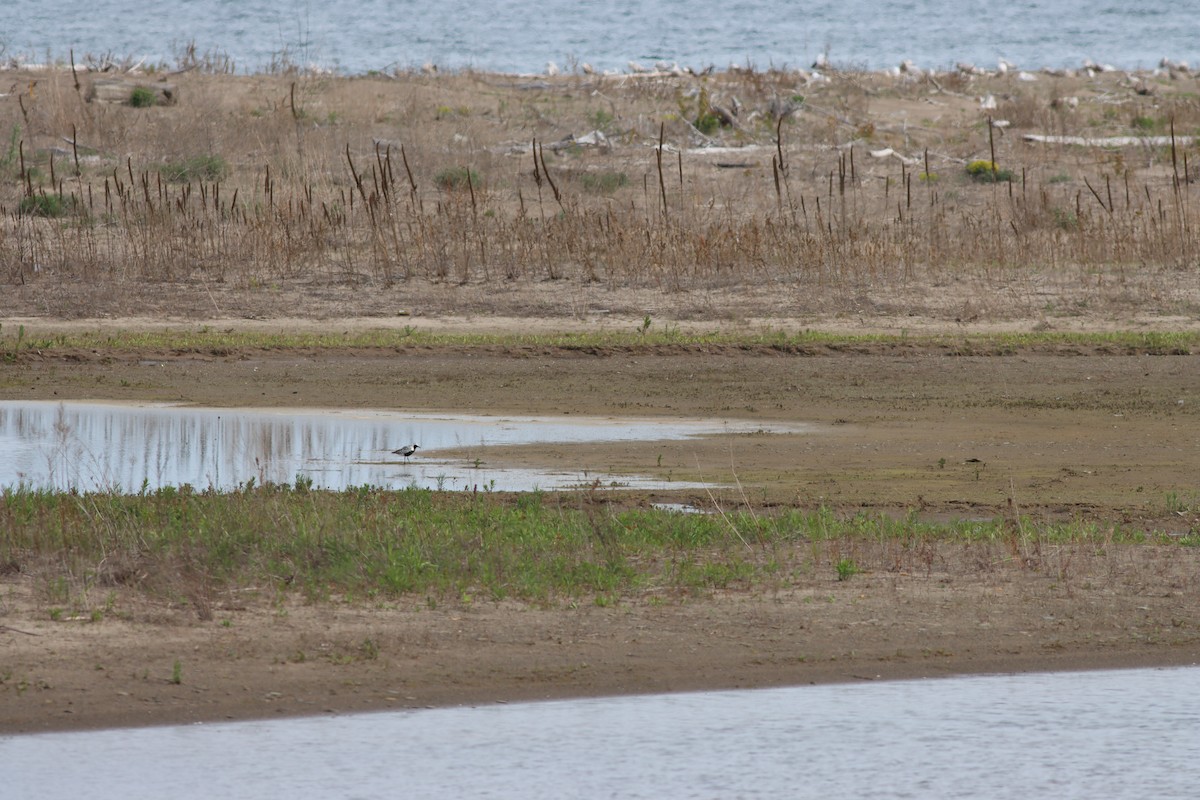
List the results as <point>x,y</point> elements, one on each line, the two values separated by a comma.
<point>197,168</point>
<point>702,115</point>
<point>986,171</point>
<point>605,182</point>
<point>457,178</point>
<point>143,97</point>
<point>45,205</point>
<point>1145,124</point>
<point>372,541</point>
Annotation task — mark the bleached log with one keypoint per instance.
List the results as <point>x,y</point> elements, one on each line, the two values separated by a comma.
<point>1110,141</point>
<point>116,90</point>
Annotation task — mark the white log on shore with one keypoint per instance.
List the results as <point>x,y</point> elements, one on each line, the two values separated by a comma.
<point>116,90</point>
<point>1110,141</point>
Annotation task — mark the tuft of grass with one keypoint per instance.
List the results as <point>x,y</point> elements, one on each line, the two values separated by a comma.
<point>1065,219</point>
<point>605,182</point>
<point>456,178</point>
<point>12,152</point>
<point>143,97</point>
<point>45,205</point>
<point>600,119</point>
<point>196,168</point>
<point>1145,124</point>
<point>846,569</point>
<point>986,171</point>
<point>708,123</point>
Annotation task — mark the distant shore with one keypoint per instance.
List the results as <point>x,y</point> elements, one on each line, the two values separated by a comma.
<point>906,68</point>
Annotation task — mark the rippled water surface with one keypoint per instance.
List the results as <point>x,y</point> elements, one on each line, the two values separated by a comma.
<point>98,446</point>
<point>509,36</point>
<point>1120,734</point>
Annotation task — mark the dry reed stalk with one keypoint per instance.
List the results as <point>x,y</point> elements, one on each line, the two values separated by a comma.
<point>294,219</point>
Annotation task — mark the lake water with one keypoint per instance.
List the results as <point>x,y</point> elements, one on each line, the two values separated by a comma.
<point>509,36</point>
<point>102,446</point>
<point>1116,734</point>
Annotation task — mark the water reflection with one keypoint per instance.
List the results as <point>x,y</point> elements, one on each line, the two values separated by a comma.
<point>1067,735</point>
<point>91,446</point>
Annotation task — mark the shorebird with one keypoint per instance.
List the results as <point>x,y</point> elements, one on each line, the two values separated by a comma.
<point>407,451</point>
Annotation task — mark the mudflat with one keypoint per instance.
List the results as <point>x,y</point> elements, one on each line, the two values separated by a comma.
<point>1052,433</point>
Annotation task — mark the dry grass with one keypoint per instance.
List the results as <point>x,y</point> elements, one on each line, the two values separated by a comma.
<point>335,185</point>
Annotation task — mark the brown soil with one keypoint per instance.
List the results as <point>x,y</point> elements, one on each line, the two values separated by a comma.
<point>1051,434</point>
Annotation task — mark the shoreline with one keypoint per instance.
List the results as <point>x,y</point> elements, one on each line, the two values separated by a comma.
<point>123,720</point>
<point>904,69</point>
<point>463,671</point>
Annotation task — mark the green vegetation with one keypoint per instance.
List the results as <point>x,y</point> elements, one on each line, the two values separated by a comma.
<point>645,334</point>
<point>143,97</point>
<point>1065,218</point>
<point>605,182</point>
<point>700,112</point>
<point>197,168</point>
<point>457,178</point>
<point>45,205</point>
<point>180,544</point>
<point>846,569</point>
<point>600,119</point>
<point>708,123</point>
<point>1145,124</point>
<point>988,172</point>
<point>12,152</point>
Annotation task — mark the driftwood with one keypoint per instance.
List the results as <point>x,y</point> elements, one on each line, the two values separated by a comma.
<point>888,152</point>
<point>1111,141</point>
<point>117,90</point>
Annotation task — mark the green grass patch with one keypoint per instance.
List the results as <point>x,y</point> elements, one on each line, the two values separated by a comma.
<point>197,168</point>
<point>456,178</point>
<point>600,119</point>
<point>987,172</point>
<point>210,340</point>
<point>603,182</point>
<point>1146,124</point>
<point>846,569</point>
<point>708,123</point>
<point>143,97</point>
<point>46,205</point>
<point>12,151</point>
<point>377,543</point>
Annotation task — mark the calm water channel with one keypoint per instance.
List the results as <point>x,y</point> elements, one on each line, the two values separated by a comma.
<point>96,446</point>
<point>512,36</point>
<point>1117,734</point>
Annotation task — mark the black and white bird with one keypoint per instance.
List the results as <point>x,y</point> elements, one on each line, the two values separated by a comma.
<point>407,451</point>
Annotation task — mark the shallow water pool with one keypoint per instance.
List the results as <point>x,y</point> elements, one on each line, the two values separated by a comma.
<point>102,446</point>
